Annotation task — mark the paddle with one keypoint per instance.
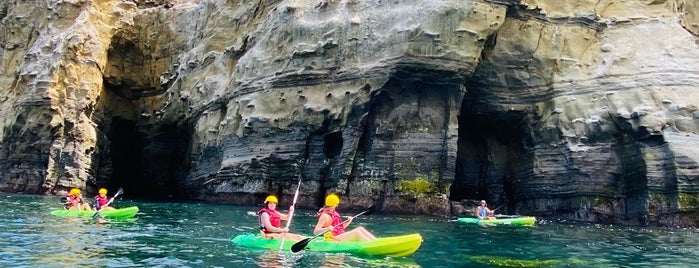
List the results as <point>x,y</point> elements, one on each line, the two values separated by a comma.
<point>507,216</point>
<point>303,243</point>
<point>498,207</point>
<point>291,214</point>
<point>96,215</point>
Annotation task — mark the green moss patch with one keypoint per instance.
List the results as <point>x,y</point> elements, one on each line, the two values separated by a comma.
<point>688,200</point>
<point>509,262</point>
<point>417,187</point>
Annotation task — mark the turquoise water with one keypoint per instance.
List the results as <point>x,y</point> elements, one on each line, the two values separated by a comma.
<point>198,235</point>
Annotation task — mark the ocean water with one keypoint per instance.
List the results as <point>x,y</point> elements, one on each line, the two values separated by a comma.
<point>199,235</point>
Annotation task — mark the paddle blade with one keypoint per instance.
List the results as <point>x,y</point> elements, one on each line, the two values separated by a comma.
<point>298,246</point>
<point>96,215</point>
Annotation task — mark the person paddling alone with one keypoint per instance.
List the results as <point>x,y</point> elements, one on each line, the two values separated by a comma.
<point>328,217</point>
<point>74,201</point>
<point>483,212</point>
<point>101,200</point>
<point>271,221</point>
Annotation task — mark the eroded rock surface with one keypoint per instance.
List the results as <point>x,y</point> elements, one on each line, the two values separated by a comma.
<point>584,110</point>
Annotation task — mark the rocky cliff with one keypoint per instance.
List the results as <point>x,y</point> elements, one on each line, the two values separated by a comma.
<point>584,110</point>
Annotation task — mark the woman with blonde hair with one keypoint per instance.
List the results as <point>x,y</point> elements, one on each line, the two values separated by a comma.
<point>74,201</point>
<point>329,219</point>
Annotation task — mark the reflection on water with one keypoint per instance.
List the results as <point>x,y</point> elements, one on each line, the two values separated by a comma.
<point>274,259</point>
<point>198,235</point>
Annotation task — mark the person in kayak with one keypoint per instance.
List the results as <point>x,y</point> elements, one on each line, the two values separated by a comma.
<point>74,200</point>
<point>483,212</point>
<point>329,219</point>
<point>101,200</point>
<point>271,221</point>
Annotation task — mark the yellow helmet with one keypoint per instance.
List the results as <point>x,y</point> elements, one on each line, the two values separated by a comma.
<point>332,200</point>
<point>271,198</point>
<point>74,191</point>
<point>102,191</point>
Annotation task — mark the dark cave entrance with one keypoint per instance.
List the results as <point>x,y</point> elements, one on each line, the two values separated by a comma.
<point>491,152</point>
<point>332,144</point>
<point>147,166</point>
<point>126,151</point>
<point>147,152</point>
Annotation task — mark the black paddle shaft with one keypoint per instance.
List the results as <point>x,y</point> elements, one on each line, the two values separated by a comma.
<point>298,246</point>
<point>499,207</point>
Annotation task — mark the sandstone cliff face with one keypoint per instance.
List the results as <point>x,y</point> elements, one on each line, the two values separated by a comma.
<point>584,110</point>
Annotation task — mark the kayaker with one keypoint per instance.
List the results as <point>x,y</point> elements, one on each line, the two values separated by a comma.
<point>271,221</point>
<point>329,219</point>
<point>483,212</point>
<point>101,200</point>
<point>74,200</point>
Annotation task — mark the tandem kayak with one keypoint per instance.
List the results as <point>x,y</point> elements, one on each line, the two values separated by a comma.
<point>516,221</point>
<point>115,214</point>
<point>394,246</point>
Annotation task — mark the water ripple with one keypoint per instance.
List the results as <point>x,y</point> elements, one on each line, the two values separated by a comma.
<point>198,235</point>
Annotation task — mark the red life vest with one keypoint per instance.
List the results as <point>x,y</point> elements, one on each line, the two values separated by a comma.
<point>274,218</point>
<point>73,201</point>
<point>101,201</point>
<point>336,221</point>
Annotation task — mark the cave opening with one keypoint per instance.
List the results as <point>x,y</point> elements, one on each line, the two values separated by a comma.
<point>491,152</point>
<point>149,165</point>
<point>333,144</point>
<point>126,149</point>
<point>147,150</point>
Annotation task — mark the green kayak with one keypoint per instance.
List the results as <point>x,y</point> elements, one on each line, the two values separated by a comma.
<point>394,246</point>
<point>516,221</point>
<point>115,214</point>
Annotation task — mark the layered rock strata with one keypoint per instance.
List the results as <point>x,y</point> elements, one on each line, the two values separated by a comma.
<point>583,110</point>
